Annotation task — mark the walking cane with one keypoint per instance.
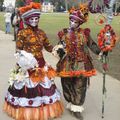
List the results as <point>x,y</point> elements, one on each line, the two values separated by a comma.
<point>109,12</point>
<point>104,61</point>
<point>106,42</point>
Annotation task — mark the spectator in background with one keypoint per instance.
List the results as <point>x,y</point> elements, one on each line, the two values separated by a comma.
<point>16,22</point>
<point>7,21</point>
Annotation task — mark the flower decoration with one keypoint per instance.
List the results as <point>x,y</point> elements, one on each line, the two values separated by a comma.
<point>100,19</point>
<point>106,38</point>
<point>32,5</point>
<point>17,74</point>
<point>80,13</point>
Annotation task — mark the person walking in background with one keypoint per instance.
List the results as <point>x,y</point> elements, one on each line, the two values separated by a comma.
<point>17,22</point>
<point>7,17</point>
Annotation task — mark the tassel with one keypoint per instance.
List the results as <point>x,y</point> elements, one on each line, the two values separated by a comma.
<point>61,107</point>
<point>17,114</point>
<point>48,111</point>
<point>52,113</point>
<point>21,114</point>
<point>9,110</point>
<point>5,107</point>
<point>27,113</point>
<point>41,113</point>
<point>45,110</point>
<point>58,109</point>
<point>55,110</point>
<point>36,113</point>
<point>13,112</point>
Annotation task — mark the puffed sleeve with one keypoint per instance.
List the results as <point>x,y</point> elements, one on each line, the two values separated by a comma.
<point>61,36</point>
<point>46,44</point>
<point>20,39</point>
<point>62,33</point>
<point>91,43</point>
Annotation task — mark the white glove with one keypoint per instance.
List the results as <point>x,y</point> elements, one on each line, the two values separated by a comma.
<point>59,51</point>
<point>26,60</point>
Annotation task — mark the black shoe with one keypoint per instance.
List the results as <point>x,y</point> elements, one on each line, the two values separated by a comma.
<point>13,40</point>
<point>78,115</point>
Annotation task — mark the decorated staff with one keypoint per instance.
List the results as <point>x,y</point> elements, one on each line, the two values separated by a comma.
<point>106,42</point>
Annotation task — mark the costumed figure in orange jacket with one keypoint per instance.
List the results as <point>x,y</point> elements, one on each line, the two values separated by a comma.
<point>75,64</point>
<point>32,94</point>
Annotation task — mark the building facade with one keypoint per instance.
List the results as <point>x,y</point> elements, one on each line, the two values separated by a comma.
<point>47,7</point>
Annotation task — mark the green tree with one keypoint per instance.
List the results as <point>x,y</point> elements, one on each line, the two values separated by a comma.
<point>20,3</point>
<point>1,2</point>
<point>58,4</point>
<point>1,5</point>
<point>37,1</point>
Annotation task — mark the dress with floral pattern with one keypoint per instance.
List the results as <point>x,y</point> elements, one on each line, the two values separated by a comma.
<point>36,97</point>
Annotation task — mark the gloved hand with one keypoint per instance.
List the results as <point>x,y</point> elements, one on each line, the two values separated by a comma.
<point>101,54</point>
<point>26,60</point>
<point>59,51</point>
<point>105,53</point>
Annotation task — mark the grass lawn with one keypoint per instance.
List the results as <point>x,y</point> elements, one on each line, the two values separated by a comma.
<point>52,23</point>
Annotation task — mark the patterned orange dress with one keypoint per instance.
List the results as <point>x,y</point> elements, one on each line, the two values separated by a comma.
<point>36,97</point>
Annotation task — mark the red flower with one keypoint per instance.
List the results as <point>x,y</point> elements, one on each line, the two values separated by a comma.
<point>51,100</point>
<point>30,102</point>
<point>101,21</point>
<point>13,99</point>
<point>60,34</point>
<point>102,39</point>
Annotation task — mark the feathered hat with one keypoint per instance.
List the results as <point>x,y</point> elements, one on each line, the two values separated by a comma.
<point>80,14</point>
<point>33,9</point>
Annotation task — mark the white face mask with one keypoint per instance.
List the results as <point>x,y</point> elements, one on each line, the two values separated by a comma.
<point>74,24</point>
<point>34,21</point>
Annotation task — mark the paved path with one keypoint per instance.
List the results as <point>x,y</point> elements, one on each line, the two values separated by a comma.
<point>94,94</point>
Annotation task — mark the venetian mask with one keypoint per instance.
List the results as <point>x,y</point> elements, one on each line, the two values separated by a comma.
<point>74,24</point>
<point>33,21</point>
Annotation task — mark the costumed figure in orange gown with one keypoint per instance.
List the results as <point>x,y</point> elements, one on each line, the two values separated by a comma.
<point>32,94</point>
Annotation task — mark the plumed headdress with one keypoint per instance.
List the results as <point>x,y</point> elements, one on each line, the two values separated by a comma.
<point>80,13</point>
<point>33,9</point>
